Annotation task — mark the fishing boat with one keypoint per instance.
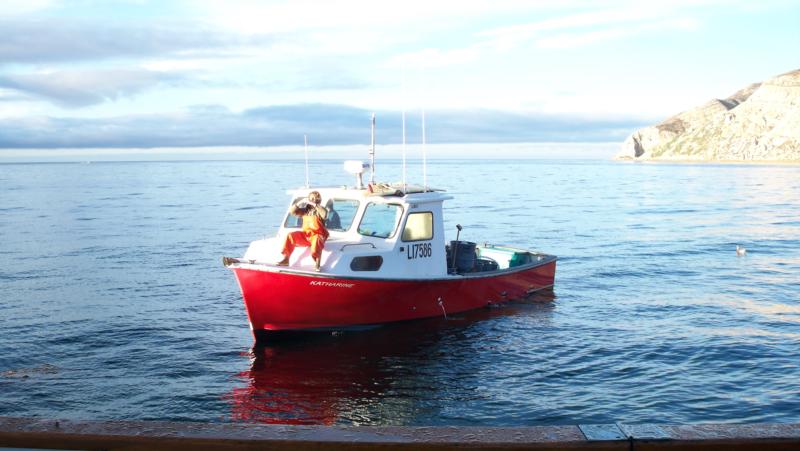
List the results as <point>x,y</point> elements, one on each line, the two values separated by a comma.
<point>385,260</point>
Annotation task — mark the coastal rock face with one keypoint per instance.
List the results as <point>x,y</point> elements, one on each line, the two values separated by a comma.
<point>760,122</point>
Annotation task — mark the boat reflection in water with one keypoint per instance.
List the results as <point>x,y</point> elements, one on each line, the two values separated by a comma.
<point>376,376</point>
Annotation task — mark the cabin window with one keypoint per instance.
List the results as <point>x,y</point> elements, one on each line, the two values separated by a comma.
<point>341,213</point>
<point>292,221</point>
<point>370,263</point>
<point>419,226</point>
<point>380,220</point>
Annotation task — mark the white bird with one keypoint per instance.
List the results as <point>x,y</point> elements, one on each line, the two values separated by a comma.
<point>740,251</point>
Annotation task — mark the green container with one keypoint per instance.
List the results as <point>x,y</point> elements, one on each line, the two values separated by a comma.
<point>519,258</point>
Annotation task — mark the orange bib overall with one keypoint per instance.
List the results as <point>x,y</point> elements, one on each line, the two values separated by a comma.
<point>313,234</point>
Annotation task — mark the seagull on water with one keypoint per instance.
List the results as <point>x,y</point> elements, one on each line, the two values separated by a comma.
<point>740,251</point>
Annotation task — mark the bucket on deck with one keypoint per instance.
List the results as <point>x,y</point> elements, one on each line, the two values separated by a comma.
<point>464,254</point>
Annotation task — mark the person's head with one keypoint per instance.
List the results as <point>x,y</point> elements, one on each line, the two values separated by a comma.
<point>315,197</point>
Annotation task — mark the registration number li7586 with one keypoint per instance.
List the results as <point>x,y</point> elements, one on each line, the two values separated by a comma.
<point>419,250</point>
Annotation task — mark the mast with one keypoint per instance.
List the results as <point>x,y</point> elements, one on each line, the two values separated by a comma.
<point>305,142</point>
<point>372,153</point>
<point>424,156</point>
<point>424,150</point>
<point>405,188</point>
<point>404,149</point>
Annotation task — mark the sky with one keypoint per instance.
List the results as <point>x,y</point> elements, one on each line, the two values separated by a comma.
<point>180,73</point>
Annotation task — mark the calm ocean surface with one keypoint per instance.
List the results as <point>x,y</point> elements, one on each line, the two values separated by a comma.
<point>114,303</point>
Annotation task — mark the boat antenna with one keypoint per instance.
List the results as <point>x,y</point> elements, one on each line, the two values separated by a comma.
<point>305,142</point>
<point>372,153</point>
<point>424,151</point>
<point>424,156</point>
<point>404,132</point>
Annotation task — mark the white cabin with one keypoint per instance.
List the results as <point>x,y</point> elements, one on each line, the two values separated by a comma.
<point>393,233</point>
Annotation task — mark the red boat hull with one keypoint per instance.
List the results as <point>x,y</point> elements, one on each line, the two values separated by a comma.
<point>292,301</point>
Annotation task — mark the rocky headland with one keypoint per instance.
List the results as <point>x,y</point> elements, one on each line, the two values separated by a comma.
<point>759,123</point>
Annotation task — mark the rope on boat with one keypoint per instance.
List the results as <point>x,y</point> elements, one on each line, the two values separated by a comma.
<point>441,304</point>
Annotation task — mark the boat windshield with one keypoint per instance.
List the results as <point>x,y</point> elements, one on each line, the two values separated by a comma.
<point>341,213</point>
<point>380,220</point>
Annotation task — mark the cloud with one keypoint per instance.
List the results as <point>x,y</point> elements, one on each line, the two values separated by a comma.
<point>578,39</point>
<point>75,89</point>
<point>321,74</point>
<point>11,95</point>
<point>255,16</point>
<point>50,40</point>
<point>210,125</point>
<point>326,81</point>
<point>20,7</point>
<point>585,28</point>
<point>582,20</point>
<point>566,31</point>
<point>430,57</point>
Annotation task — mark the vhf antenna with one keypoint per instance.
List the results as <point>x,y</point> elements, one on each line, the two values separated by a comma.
<point>372,153</point>
<point>305,142</point>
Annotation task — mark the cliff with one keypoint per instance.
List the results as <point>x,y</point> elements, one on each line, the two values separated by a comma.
<point>760,122</point>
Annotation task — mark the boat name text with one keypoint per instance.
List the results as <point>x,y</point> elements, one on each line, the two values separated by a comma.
<point>322,283</point>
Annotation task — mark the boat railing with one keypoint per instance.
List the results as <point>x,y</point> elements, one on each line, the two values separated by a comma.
<point>356,244</point>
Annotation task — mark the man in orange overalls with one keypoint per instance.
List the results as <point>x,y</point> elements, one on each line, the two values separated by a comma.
<point>313,233</point>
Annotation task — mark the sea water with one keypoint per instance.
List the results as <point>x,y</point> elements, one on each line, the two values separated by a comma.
<point>114,303</point>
